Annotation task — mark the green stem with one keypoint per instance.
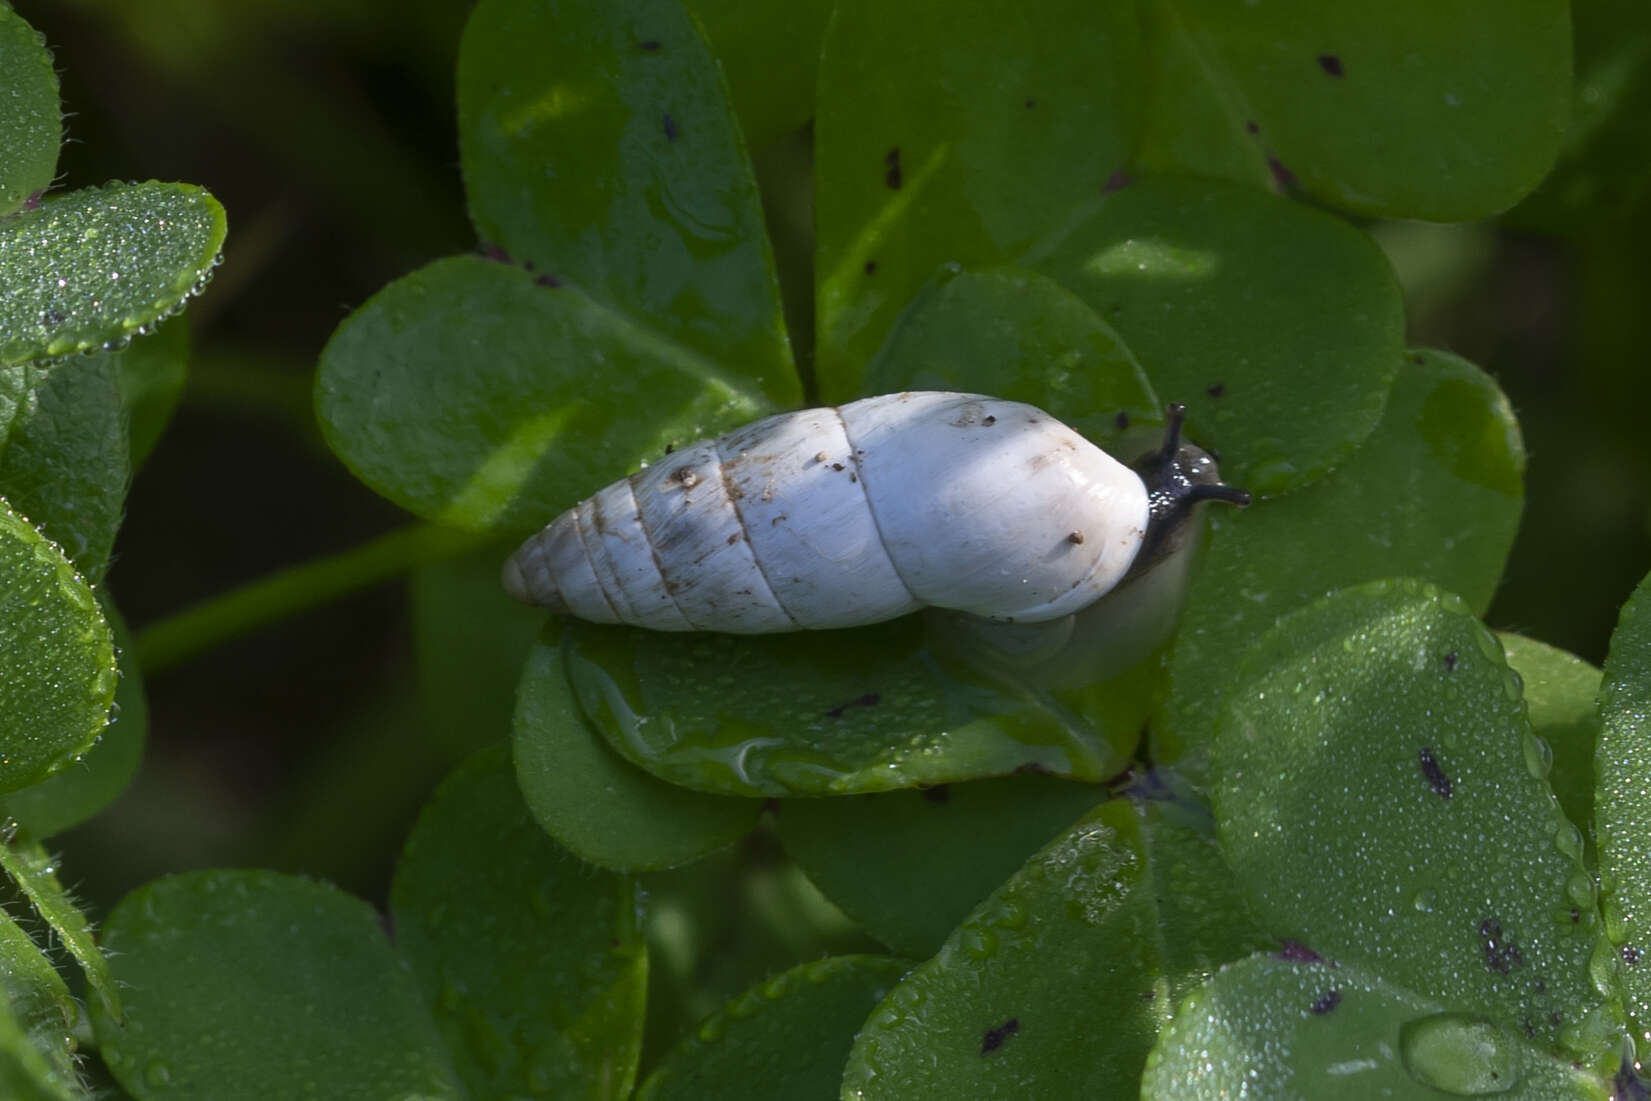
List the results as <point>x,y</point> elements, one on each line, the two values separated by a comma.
<point>287,592</point>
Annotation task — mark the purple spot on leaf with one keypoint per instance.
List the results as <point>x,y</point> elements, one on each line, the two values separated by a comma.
<point>1436,778</point>
<point>891,164</point>
<point>1502,955</point>
<point>993,1038</point>
<point>1281,175</point>
<point>1330,1000</point>
<point>1117,181</point>
<point>868,700</point>
<point>1331,64</point>
<point>1293,951</point>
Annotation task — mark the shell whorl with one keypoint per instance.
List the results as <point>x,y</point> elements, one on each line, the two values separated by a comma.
<point>842,516</point>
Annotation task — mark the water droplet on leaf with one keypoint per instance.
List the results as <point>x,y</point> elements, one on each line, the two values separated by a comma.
<point>1460,1055</point>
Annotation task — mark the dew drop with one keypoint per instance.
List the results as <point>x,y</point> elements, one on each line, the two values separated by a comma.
<point>1424,899</point>
<point>979,944</point>
<point>1616,925</point>
<point>1568,840</point>
<point>157,1074</point>
<point>1580,889</point>
<point>1539,756</point>
<point>1604,967</point>
<point>1459,1054</point>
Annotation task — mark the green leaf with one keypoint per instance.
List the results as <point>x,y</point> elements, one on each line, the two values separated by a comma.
<point>474,395</point>
<point>152,372</point>
<point>37,1020</point>
<point>1294,1030</point>
<point>469,640</point>
<point>57,662</point>
<point>1622,805</point>
<point>1017,335</point>
<point>83,788</point>
<point>65,463</point>
<point>1380,797</point>
<point>951,134</point>
<point>1279,327</point>
<point>1560,691</point>
<point>31,867</point>
<point>990,1017</point>
<point>1434,493</point>
<point>532,965</point>
<point>598,147</point>
<point>770,56</point>
<point>1409,110</point>
<point>838,712</point>
<point>1112,922</point>
<point>92,268</point>
<point>31,126</point>
<point>595,803</point>
<point>787,1037</point>
<point>253,984</point>
<point>910,865</point>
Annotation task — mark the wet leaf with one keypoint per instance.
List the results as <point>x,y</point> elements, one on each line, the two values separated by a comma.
<point>31,126</point>
<point>1109,923</point>
<point>91,268</point>
<point>254,984</point>
<point>593,801</point>
<point>1378,795</point>
<point>57,662</point>
<point>838,712</point>
<point>786,1037</point>
<point>81,789</point>
<point>34,871</point>
<point>1622,802</point>
<point>1434,493</point>
<point>37,1022</point>
<point>65,462</point>
<point>532,965</point>
<point>1561,692</point>
<point>1296,1030</point>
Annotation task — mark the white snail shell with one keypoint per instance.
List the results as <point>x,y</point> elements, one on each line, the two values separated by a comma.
<point>837,517</point>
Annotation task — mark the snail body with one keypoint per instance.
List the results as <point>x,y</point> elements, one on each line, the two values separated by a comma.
<point>848,515</point>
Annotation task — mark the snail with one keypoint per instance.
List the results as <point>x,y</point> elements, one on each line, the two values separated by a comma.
<point>854,514</point>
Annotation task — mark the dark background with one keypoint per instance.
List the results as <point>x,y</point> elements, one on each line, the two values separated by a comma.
<point>326,128</point>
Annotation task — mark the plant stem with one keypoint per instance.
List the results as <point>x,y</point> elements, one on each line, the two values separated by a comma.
<point>286,592</point>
